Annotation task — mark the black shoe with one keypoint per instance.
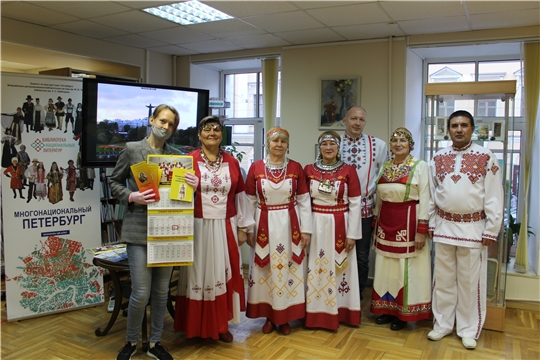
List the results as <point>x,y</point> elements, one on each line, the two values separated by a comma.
<point>159,352</point>
<point>385,319</point>
<point>127,352</point>
<point>398,324</point>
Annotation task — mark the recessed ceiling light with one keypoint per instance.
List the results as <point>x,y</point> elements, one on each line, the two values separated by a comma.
<point>187,13</point>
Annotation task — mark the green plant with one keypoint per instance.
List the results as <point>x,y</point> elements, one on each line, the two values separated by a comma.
<point>231,149</point>
<point>513,229</point>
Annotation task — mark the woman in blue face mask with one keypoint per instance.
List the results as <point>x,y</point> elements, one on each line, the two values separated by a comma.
<point>145,281</point>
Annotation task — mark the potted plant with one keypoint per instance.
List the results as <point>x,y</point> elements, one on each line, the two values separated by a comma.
<point>512,231</point>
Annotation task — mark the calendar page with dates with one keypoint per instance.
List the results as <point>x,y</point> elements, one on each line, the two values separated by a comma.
<point>170,222</point>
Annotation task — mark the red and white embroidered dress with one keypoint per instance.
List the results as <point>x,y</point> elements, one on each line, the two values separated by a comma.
<point>211,292</point>
<point>402,281</point>
<point>281,204</point>
<point>332,291</point>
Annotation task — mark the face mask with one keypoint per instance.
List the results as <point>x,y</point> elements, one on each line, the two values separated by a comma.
<point>160,134</point>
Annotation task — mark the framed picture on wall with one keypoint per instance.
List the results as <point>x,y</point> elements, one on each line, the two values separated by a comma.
<point>497,130</point>
<point>337,95</point>
<point>441,132</point>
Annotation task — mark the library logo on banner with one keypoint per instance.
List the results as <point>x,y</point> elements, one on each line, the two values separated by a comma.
<point>51,144</point>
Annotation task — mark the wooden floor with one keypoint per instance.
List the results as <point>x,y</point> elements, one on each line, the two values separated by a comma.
<point>71,335</point>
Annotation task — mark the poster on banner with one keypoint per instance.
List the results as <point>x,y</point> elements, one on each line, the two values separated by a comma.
<point>51,208</point>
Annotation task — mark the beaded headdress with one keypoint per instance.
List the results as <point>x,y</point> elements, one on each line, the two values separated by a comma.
<point>276,131</point>
<point>330,135</point>
<point>406,133</point>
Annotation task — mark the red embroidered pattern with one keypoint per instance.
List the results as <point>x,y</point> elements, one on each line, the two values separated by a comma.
<point>464,218</point>
<point>494,169</point>
<point>444,165</point>
<point>474,165</point>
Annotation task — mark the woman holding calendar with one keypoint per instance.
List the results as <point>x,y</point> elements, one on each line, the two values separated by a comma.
<point>211,292</point>
<point>146,281</point>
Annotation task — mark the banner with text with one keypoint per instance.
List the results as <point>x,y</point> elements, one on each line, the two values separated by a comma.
<point>50,207</point>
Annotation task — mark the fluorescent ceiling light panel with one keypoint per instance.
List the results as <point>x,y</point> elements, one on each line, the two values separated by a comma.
<point>187,13</point>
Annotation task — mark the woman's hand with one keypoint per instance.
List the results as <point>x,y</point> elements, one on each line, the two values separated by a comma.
<point>242,237</point>
<point>349,244</point>
<point>192,180</point>
<point>419,241</point>
<point>304,242</point>
<point>142,198</point>
<point>251,240</point>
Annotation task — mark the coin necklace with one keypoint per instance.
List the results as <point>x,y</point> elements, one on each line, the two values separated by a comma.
<point>282,172</point>
<point>327,185</point>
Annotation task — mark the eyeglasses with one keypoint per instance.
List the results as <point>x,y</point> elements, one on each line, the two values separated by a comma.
<point>210,127</point>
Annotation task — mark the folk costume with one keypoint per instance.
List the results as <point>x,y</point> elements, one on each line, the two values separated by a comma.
<point>278,265</point>
<point>8,149</point>
<point>466,206</point>
<point>402,281</point>
<point>211,292</point>
<point>39,117</point>
<point>15,172</point>
<point>41,188</point>
<point>54,184</point>
<point>367,155</point>
<point>332,294</point>
<point>28,110</point>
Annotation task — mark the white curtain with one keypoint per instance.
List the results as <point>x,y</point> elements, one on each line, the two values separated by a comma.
<point>531,69</point>
<point>270,91</point>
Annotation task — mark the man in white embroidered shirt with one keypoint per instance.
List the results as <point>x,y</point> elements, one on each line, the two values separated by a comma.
<point>367,154</point>
<point>466,211</point>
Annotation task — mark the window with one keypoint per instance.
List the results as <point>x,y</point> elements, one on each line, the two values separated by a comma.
<point>487,108</point>
<point>244,91</point>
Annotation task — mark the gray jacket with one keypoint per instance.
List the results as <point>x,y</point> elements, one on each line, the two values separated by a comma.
<point>135,218</point>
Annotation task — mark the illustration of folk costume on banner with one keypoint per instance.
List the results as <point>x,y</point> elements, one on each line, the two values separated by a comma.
<point>54,184</point>
<point>333,291</point>
<point>211,293</point>
<point>280,200</point>
<point>402,280</point>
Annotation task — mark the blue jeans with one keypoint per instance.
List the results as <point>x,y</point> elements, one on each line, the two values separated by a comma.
<point>362,254</point>
<point>146,281</point>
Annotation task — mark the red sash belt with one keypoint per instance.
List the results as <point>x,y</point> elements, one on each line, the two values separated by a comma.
<point>464,218</point>
<point>339,220</point>
<point>262,250</point>
<point>396,229</point>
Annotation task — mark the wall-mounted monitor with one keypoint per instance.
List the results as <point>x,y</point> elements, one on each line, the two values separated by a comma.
<point>118,112</point>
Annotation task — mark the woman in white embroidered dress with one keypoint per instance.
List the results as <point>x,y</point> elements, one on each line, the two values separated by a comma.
<point>211,292</point>
<point>283,231</point>
<point>402,282</point>
<point>333,293</point>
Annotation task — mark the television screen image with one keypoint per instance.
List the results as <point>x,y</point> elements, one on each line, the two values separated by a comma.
<point>118,112</point>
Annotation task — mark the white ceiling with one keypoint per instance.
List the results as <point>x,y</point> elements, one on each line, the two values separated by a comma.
<point>261,24</point>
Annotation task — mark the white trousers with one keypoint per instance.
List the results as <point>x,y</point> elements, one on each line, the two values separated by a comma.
<point>459,290</point>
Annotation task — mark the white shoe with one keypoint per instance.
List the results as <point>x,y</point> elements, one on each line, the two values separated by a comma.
<point>435,336</point>
<point>468,343</point>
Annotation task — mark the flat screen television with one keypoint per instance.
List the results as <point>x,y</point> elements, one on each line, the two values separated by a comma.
<point>118,112</point>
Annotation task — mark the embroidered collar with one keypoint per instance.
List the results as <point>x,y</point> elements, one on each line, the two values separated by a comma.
<point>350,138</point>
<point>467,147</point>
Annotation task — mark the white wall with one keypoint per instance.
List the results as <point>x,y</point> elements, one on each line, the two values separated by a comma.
<point>204,78</point>
<point>302,70</point>
<point>413,107</point>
